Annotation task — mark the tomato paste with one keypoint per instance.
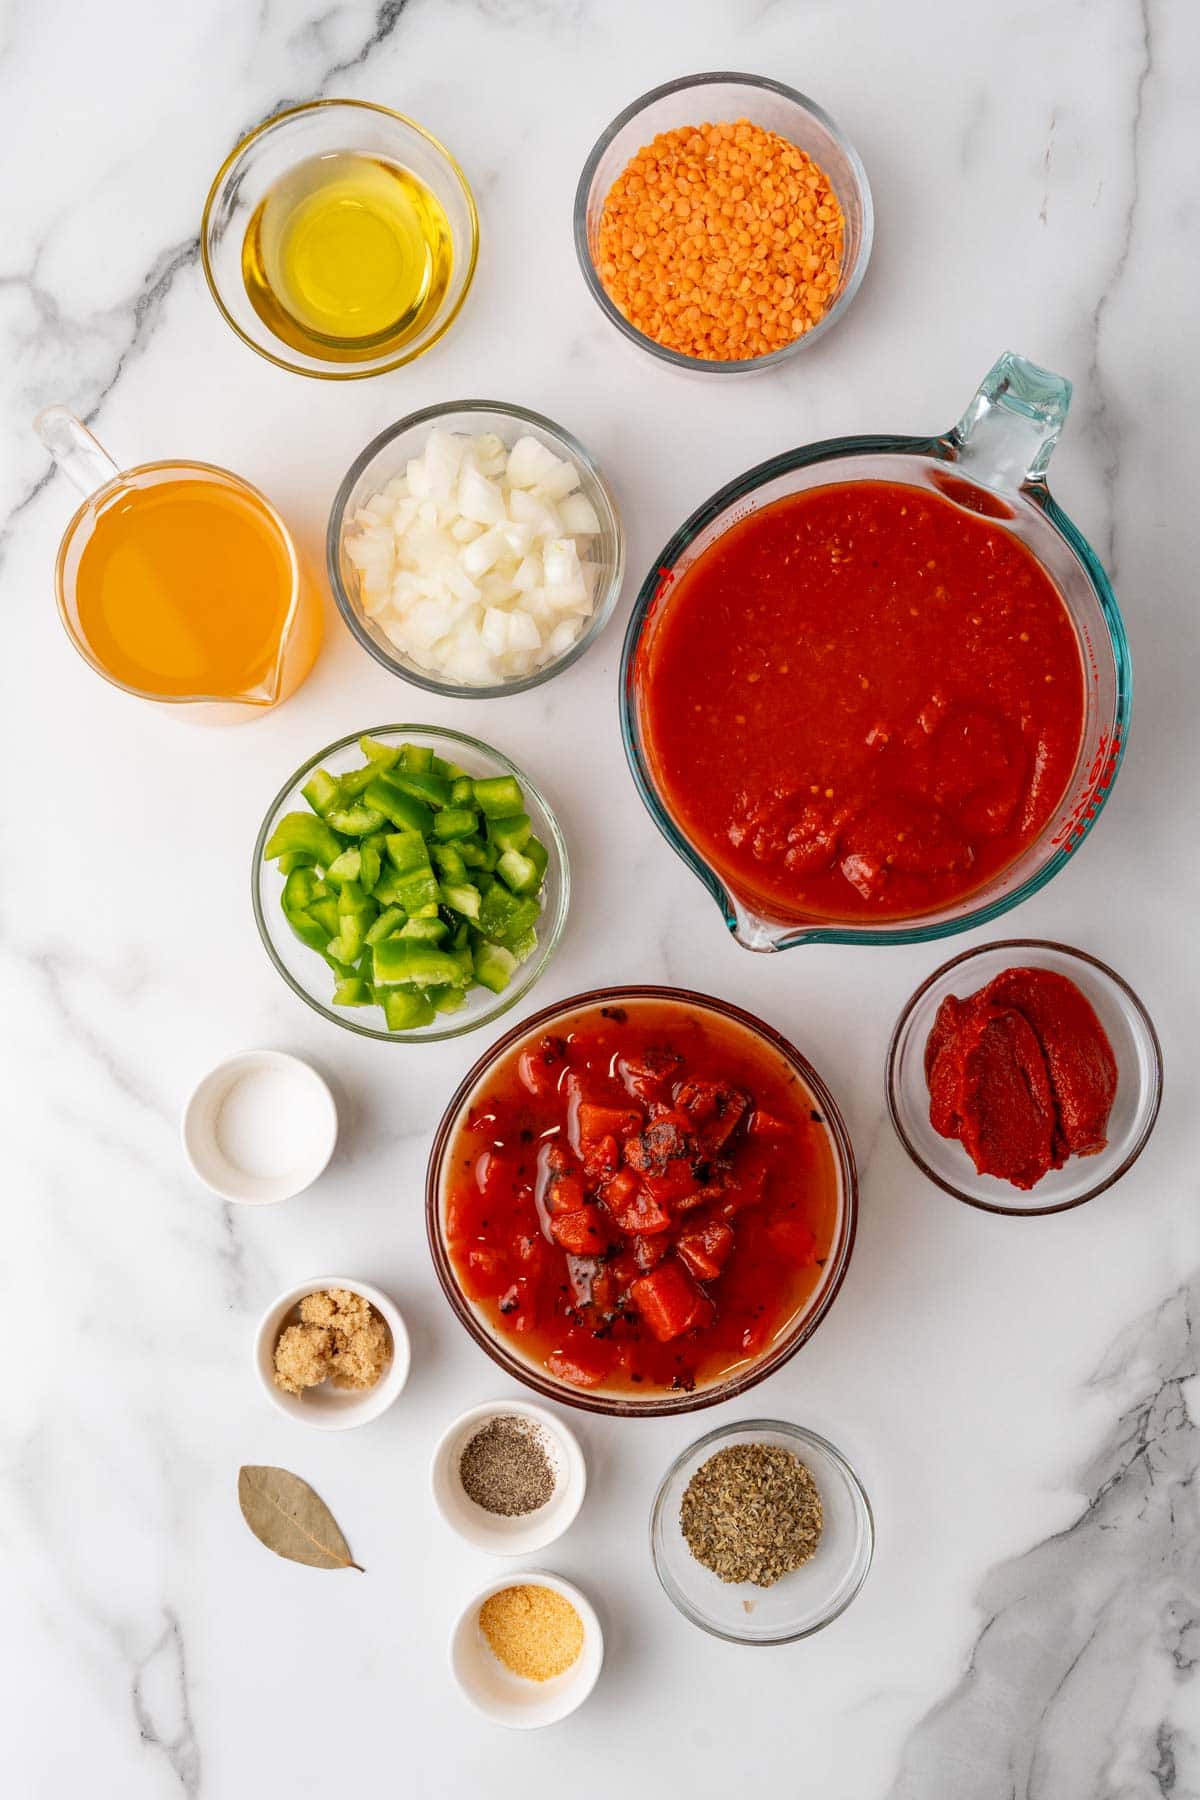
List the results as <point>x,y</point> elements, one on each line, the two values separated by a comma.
<point>1022,1073</point>
<point>861,702</point>
<point>643,1198</point>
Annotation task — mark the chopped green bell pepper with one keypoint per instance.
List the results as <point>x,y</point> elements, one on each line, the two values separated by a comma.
<point>454,822</point>
<point>405,813</point>
<point>429,931</point>
<point>388,922</point>
<point>498,796</point>
<point>304,831</point>
<point>493,965</point>
<point>520,873</point>
<point>352,990</point>
<point>406,1009</point>
<point>357,820</point>
<point>384,756</point>
<point>510,833</point>
<point>434,790</point>
<point>322,791</point>
<point>416,758</point>
<point>407,852</point>
<point>505,917</point>
<point>462,898</point>
<point>413,880</point>
<point>348,867</point>
<point>408,962</point>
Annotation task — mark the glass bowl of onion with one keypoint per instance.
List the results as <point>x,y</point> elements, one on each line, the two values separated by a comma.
<point>475,549</point>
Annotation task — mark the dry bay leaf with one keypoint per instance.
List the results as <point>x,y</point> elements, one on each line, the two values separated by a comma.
<point>286,1515</point>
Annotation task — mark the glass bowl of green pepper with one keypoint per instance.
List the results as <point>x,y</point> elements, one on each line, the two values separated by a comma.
<point>410,884</point>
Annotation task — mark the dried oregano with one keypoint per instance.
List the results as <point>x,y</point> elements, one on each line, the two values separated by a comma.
<point>752,1513</point>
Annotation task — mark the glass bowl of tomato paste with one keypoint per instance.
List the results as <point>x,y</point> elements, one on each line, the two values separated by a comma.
<point>877,690</point>
<point>1093,1047</point>
<point>641,1201</point>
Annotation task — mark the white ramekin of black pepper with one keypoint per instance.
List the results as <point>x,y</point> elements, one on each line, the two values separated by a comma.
<point>508,1477</point>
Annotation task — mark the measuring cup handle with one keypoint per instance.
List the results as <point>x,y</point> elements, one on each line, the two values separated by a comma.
<point>75,450</point>
<point>1007,435</point>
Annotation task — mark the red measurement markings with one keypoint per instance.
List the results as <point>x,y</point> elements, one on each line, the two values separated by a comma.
<point>1099,779</point>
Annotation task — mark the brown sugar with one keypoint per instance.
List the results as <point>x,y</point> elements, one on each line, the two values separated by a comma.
<point>721,242</point>
<point>340,1338</point>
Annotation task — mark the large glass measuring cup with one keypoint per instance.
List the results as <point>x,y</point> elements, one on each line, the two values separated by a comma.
<point>993,462</point>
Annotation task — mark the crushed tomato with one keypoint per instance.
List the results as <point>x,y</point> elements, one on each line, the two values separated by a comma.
<point>642,1199</point>
<point>862,702</point>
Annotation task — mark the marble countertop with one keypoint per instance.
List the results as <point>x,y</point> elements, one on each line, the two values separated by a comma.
<point>1021,1397</point>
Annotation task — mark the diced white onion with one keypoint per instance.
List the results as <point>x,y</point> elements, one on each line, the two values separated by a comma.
<point>474,561</point>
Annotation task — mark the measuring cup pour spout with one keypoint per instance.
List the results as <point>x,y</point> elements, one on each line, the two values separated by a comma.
<point>81,458</point>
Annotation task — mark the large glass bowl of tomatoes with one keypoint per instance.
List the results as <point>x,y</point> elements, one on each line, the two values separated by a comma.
<point>641,1201</point>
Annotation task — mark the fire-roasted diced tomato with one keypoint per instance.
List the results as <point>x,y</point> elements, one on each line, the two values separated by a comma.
<point>706,1250</point>
<point>540,1066</point>
<point>606,1121</point>
<point>582,1359</point>
<point>666,1139</point>
<point>741,1191</point>
<point>518,1307</point>
<point>531,1255</point>
<point>766,1125</point>
<point>580,1233</point>
<point>668,1300</point>
<point>493,1174</point>
<point>487,1272</point>
<point>564,1194</point>
<point>632,1208</point>
<point>793,1239</point>
<point>640,1203</point>
<point>674,1182</point>
<point>715,1108</point>
<point>555,1158</point>
<point>601,1158</point>
<point>647,1074</point>
<point>648,1252</point>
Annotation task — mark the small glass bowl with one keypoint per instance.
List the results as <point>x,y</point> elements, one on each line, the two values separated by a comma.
<point>626,1404</point>
<point>1139,1079</point>
<point>719,97</point>
<point>387,455</point>
<point>802,1602</point>
<point>319,128</point>
<point>305,972</point>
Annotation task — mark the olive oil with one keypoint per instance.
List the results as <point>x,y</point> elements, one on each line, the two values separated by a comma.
<point>347,256</point>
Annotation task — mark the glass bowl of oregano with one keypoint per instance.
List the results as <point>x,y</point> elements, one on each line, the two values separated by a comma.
<point>761,1532</point>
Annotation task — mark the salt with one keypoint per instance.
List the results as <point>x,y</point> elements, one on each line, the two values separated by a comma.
<point>266,1124</point>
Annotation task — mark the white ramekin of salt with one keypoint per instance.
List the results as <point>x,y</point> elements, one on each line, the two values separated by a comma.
<point>260,1127</point>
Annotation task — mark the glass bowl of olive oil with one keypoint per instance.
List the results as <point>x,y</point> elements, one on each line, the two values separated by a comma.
<point>339,239</point>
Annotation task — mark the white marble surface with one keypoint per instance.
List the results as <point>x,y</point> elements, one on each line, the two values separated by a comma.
<point>1015,1394</point>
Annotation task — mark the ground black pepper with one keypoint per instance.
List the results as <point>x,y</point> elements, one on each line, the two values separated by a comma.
<point>506,1467</point>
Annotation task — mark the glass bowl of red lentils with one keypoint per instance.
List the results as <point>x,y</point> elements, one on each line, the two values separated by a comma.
<point>723,222</point>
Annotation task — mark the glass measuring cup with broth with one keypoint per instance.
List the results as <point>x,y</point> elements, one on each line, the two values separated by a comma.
<point>179,582</point>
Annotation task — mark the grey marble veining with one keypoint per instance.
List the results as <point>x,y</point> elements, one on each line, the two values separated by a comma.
<point>1081,1683</point>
